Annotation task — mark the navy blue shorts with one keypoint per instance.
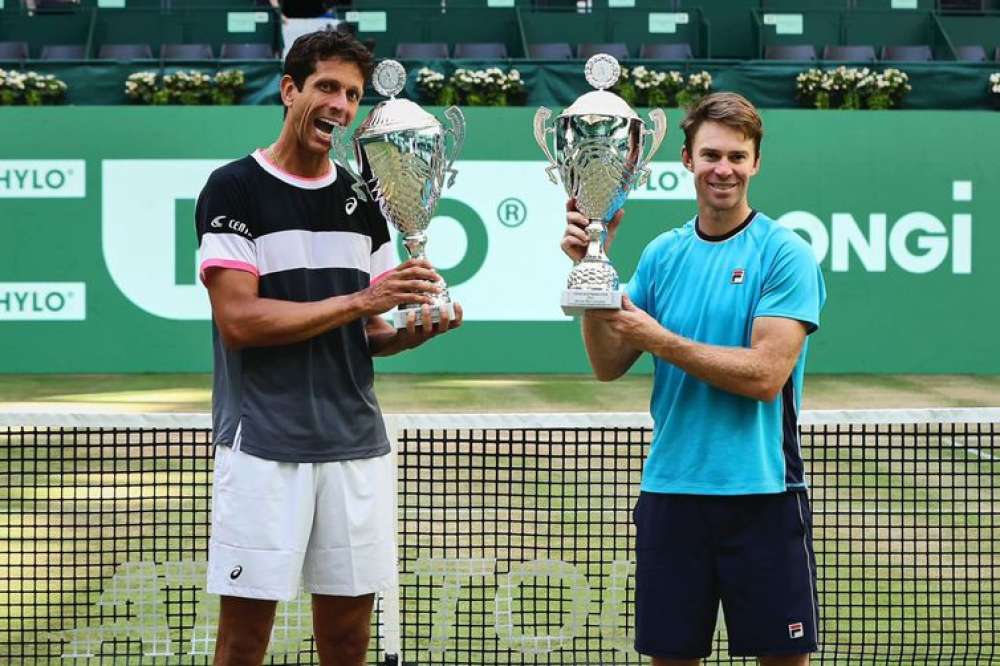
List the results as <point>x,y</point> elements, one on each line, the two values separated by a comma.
<point>751,552</point>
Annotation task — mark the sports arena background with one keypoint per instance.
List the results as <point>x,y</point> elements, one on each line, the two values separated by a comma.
<point>96,197</point>
<point>515,538</point>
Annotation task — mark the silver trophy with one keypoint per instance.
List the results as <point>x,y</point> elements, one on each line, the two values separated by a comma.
<point>599,141</point>
<point>403,161</point>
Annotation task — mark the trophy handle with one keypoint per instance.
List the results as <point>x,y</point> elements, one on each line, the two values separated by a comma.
<point>457,132</point>
<point>659,131</point>
<point>541,117</point>
<point>338,146</point>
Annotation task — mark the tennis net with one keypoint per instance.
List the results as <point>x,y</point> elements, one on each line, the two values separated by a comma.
<point>515,540</point>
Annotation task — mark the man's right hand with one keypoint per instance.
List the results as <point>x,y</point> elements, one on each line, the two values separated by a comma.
<point>575,240</point>
<point>413,281</point>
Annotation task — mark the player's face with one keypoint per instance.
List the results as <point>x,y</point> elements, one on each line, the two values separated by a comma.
<point>329,96</point>
<point>722,161</point>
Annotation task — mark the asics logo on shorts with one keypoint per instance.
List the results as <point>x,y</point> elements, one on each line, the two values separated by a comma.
<point>351,204</point>
<point>235,573</point>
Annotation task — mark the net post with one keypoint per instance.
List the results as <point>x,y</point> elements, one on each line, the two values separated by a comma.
<point>391,628</point>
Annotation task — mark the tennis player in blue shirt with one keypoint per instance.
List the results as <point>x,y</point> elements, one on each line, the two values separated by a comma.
<point>724,304</point>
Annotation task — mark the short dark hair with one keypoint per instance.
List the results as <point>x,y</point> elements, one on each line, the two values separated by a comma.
<point>309,49</point>
<point>731,110</point>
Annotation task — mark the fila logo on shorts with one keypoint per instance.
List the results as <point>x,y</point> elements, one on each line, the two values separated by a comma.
<point>737,277</point>
<point>795,630</point>
<point>351,204</point>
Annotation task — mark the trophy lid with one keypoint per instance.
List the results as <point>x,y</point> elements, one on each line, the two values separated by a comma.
<point>393,115</point>
<point>602,72</point>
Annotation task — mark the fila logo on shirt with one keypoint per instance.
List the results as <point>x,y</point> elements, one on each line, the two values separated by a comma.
<point>737,277</point>
<point>351,204</point>
<point>795,630</point>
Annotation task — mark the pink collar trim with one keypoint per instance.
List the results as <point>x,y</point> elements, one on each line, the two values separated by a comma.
<point>260,156</point>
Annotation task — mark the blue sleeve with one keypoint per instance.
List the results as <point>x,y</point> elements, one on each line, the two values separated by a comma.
<point>637,288</point>
<point>793,288</point>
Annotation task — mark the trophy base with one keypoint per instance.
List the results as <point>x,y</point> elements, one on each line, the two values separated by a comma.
<point>577,301</point>
<point>400,315</point>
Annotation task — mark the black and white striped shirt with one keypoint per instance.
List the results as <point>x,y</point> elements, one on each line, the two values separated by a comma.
<point>305,240</point>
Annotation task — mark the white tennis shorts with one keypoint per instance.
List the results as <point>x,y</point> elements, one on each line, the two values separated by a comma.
<point>330,524</point>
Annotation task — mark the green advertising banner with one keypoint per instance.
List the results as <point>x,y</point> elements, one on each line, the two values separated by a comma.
<point>98,252</point>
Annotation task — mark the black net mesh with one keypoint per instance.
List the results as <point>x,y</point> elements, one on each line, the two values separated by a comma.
<point>515,546</point>
<point>104,548</point>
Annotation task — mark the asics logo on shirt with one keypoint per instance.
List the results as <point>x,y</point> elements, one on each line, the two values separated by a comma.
<point>235,573</point>
<point>351,204</point>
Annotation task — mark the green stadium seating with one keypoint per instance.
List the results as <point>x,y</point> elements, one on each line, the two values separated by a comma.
<point>423,24</point>
<point>182,26</point>
<point>732,32</point>
<point>820,28</point>
<point>718,29</point>
<point>923,5</point>
<point>43,29</point>
<point>889,27</point>
<point>981,29</point>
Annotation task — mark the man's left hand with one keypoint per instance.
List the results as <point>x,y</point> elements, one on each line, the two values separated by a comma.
<point>413,335</point>
<point>635,327</point>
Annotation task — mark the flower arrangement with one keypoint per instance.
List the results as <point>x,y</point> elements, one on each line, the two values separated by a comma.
<point>185,87</point>
<point>851,88</point>
<point>487,87</point>
<point>30,89</point>
<point>647,87</point>
<point>698,85</point>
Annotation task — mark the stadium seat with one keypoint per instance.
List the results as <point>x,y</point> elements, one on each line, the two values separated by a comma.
<point>790,52</point>
<point>970,53</point>
<point>13,50</point>
<point>908,53</point>
<point>665,52</point>
<point>125,52</point>
<point>186,52</point>
<point>64,52</point>
<point>961,5</point>
<point>482,50</point>
<point>421,50</point>
<point>255,51</point>
<point>550,51</point>
<point>56,6</point>
<point>615,49</point>
<point>856,53</point>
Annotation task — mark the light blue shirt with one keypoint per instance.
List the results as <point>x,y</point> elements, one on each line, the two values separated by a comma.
<point>707,441</point>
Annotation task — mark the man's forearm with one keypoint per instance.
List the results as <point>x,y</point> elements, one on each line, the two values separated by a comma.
<point>744,371</point>
<point>265,322</point>
<point>387,343</point>
<point>610,357</point>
